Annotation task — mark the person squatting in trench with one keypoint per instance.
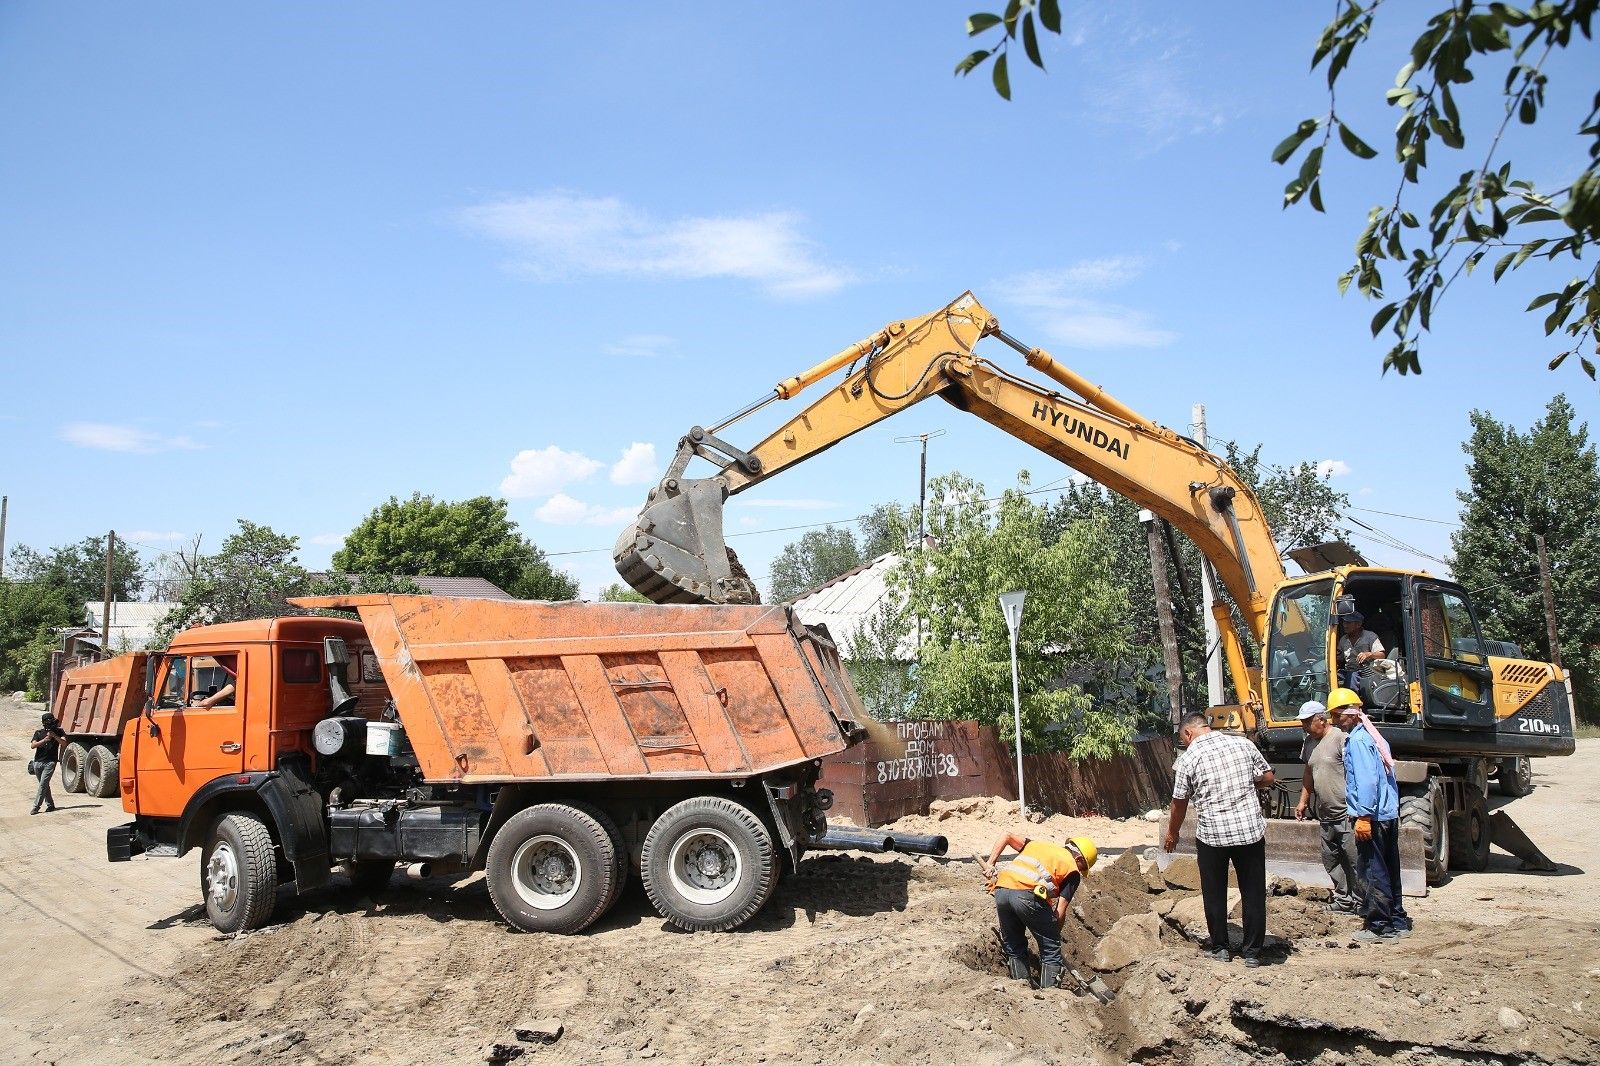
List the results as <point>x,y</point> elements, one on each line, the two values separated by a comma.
<point>1031,892</point>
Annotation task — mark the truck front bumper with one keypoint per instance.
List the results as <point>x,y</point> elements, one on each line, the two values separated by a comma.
<point>123,843</point>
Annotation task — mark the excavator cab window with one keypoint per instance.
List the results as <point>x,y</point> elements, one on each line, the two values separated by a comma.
<point>1297,648</point>
<point>1382,683</point>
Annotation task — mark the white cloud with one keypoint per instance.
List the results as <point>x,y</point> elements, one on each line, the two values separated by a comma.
<point>637,465</point>
<point>792,505</point>
<point>1327,468</point>
<point>749,521</point>
<point>642,346</point>
<point>563,510</point>
<point>559,235</point>
<point>148,535</point>
<point>547,470</point>
<point>110,438</point>
<point>1364,491</point>
<point>1067,316</point>
<point>335,540</point>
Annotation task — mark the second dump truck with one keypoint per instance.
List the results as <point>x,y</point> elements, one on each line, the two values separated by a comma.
<point>555,746</point>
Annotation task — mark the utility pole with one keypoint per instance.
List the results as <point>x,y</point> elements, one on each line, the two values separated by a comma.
<point>1549,602</point>
<point>1169,632</point>
<point>1209,579</point>
<point>922,503</point>
<point>105,609</point>
<point>5,503</point>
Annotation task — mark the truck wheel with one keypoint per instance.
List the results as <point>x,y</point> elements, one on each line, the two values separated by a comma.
<point>1469,834</point>
<point>73,761</point>
<point>1516,776</point>
<point>100,773</point>
<point>239,873</point>
<point>550,869</point>
<point>619,847</point>
<point>370,876</point>
<point>708,864</point>
<point>1426,809</point>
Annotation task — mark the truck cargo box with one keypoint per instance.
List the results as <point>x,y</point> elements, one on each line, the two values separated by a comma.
<point>500,691</point>
<point>95,700</point>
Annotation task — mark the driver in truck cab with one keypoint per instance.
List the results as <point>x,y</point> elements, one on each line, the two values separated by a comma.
<point>1031,893</point>
<point>228,665</point>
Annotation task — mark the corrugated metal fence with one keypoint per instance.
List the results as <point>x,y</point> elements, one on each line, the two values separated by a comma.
<point>904,766</point>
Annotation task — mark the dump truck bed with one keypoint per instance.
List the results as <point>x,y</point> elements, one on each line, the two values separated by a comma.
<point>95,700</point>
<point>496,691</point>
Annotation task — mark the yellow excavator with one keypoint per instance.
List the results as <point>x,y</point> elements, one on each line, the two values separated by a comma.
<point>1454,711</point>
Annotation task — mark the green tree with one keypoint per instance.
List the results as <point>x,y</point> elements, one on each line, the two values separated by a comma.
<point>820,555</point>
<point>252,576</point>
<point>1487,210</point>
<point>875,656</point>
<point>1075,636</point>
<point>438,538</point>
<point>30,612</point>
<point>1521,485</point>
<point>617,592</point>
<point>79,570</point>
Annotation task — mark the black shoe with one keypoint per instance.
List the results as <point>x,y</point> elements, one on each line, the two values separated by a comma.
<point>1017,969</point>
<point>1049,975</point>
<point>1216,955</point>
<point>1252,961</point>
<point>49,810</point>
<point>34,811</point>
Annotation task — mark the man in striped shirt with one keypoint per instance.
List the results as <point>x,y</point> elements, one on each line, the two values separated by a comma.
<point>1222,773</point>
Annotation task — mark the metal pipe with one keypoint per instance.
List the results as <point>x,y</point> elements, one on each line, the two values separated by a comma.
<point>417,871</point>
<point>853,840</point>
<point>919,844</point>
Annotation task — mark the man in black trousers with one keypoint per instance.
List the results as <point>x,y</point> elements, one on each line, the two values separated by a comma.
<point>1221,773</point>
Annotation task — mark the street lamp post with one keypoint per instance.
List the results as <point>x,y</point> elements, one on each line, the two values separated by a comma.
<point>1011,607</point>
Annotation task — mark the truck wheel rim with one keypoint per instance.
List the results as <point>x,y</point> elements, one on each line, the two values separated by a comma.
<point>546,872</point>
<point>222,878</point>
<point>704,866</point>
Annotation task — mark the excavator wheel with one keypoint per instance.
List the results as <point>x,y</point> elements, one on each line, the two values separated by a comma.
<point>1424,807</point>
<point>1469,834</point>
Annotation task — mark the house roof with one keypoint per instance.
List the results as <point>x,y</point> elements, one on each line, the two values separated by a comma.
<point>133,624</point>
<point>847,602</point>
<point>478,588</point>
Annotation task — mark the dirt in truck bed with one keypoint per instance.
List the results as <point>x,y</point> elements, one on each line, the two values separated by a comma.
<point>856,959</point>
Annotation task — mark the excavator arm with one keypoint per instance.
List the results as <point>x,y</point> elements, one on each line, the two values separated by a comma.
<point>675,552</point>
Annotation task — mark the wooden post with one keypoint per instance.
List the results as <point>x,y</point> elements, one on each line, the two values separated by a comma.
<point>1164,621</point>
<point>1549,602</point>
<point>105,610</point>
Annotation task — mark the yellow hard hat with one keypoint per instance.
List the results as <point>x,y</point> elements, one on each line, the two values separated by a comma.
<point>1085,848</point>
<point>1342,697</point>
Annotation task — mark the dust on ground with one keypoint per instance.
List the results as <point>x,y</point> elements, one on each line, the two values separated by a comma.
<point>857,959</point>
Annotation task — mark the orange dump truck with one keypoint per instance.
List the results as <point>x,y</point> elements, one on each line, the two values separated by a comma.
<point>555,746</point>
<point>93,703</point>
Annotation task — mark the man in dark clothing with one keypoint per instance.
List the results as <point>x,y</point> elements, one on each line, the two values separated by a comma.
<point>46,753</point>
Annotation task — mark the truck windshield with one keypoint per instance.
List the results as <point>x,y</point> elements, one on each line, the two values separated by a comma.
<point>1297,648</point>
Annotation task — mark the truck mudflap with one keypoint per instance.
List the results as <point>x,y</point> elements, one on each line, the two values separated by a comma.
<point>290,800</point>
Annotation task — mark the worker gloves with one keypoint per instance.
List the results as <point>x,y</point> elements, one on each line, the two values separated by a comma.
<point>1364,828</point>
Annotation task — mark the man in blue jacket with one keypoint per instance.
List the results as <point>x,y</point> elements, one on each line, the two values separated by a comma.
<point>1373,801</point>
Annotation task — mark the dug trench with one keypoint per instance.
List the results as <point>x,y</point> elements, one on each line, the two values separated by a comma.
<point>887,959</point>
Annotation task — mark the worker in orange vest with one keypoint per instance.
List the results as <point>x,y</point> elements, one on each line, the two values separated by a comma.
<point>1031,893</point>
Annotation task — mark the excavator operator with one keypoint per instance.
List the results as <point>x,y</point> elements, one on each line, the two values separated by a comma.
<point>1031,893</point>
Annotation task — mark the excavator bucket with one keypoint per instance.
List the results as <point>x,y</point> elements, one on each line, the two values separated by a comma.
<point>674,551</point>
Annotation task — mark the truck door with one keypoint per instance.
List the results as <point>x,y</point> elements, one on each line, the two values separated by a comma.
<point>194,744</point>
<point>1457,690</point>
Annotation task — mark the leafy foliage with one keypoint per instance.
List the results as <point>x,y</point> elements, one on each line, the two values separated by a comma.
<point>820,555</point>
<point>79,570</point>
<point>617,592</point>
<point>1487,210</point>
<point>1542,482</point>
<point>253,576</point>
<point>30,611</point>
<point>1075,623</point>
<point>438,538</point>
<point>883,680</point>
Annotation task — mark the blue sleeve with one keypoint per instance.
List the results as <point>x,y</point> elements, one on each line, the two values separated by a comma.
<point>1362,772</point>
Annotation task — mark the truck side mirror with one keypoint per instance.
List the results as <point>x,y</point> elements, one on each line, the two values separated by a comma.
<point>152,665</point>
<point>334,653</point>
<point>1343,605</point>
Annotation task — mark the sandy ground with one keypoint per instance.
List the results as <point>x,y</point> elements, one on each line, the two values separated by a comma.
<point>855,960</point>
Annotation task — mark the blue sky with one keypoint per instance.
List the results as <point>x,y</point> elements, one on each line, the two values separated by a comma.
<point>282,262</point>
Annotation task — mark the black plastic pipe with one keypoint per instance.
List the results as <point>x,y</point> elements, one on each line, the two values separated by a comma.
<point>917,844</point>
<point>852,840</point>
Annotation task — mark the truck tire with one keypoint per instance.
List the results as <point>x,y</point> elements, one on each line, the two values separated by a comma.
<point>370,876</point>
<point>100,773</point>
<point>1425,808</point>
<point>550,869</point>
<point>619,847</point>
<point>1515,778</point>
<point>708,864</point>
<point>73,761</point>
<point>239,873</point>
<point>1469,834</point>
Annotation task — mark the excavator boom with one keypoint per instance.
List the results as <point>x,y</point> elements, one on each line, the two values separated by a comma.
<point>675,551</point>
